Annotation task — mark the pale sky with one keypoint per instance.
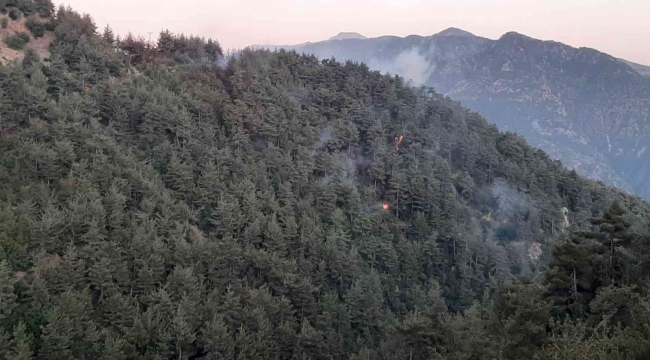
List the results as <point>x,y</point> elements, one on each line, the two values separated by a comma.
<point>618,27</point>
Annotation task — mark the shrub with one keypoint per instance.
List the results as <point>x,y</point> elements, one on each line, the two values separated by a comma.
<point>4,22</point>
<point>15,13</point>
<point>50,25</point>
<point>17,41</point>
<point>183,58</point>
<point>45,8</point>
<point>30,57</point>
<point>28,7</point>
<point>36,27</point>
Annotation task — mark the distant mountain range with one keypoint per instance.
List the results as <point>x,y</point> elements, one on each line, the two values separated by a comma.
<point>582,106</point>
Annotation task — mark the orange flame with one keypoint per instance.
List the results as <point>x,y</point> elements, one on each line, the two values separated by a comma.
<point>399,139</point>
<point>385,206</point>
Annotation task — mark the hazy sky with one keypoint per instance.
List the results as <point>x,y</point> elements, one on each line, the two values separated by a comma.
<point>618,27</point>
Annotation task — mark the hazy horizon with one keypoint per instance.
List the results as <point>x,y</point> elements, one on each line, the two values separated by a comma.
<point>618,28</point>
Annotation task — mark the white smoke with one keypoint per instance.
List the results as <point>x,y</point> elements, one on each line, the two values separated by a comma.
<point>222,62</point>
<point>410,64</point>
<point>323,138</point>
<point>510,200</point>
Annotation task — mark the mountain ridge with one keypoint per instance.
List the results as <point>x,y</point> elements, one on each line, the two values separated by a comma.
<point>641,69</point>
<point>456,32</point>
<point>347,35</point>
<point>167,202</point>
<point>581,105</point>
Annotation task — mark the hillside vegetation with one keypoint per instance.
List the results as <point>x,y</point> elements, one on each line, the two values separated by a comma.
<point>579,105</point>
<point>25,27</point>
<point>165,202</point>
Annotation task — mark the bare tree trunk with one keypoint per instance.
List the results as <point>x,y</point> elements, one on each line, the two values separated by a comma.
<point>397,196</point>
<point>611,258</point>
<point>454,239</point>
<point>575,284</point>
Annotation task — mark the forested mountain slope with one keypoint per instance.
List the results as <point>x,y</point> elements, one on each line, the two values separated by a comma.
<point>164,203</point>
<point>641,69</point>
<point>581,106</point>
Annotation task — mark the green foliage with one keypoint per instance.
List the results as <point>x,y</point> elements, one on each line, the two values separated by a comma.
<point>21,344</point>
<point>108,35</point>
<point>237,211</point>
<point>181,48</point>
<point>475,70</point>
<point>45,8</point>
<point>16,8</point>
<point>36,27</point>
<point>17,41</point>
<point>14,13</point>
<point>4,22</point>
<point>590,260</point>
<point>7,296</point>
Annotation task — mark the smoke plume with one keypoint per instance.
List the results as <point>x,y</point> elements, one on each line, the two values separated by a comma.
<point>324,137</point>
<point>509,200</point>
<point>410,64</point>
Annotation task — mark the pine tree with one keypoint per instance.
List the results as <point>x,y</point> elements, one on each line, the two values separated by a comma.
<point>213,49</point>
<point>614,236</point>
<point>45,8</point>
<point>523,316</point>
<point>218,341</point>
<point>573,275</point>
<point>69,332</point>
<point>365,304</point>
<point>182,334</point>
<point>590,260</point>
<point>21,343</point>
<point>7,296</point>
<point>113,349</point>
<point>108,35</point>
<point>273,237</point>
<point>310,342</point>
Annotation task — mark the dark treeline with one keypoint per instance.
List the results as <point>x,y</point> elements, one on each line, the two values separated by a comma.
<point>18,8</point>
<point>180,48</point>
<point>274,206</point>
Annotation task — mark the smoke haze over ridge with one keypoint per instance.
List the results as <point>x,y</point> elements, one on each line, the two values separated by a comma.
<point>612,27</point>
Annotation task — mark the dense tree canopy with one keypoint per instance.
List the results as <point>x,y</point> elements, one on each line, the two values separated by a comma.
<point>274,206</point>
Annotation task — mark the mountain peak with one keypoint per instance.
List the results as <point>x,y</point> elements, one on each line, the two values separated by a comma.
<point>347,35</point>
<point>452,31</point>
<point>515,35</point>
